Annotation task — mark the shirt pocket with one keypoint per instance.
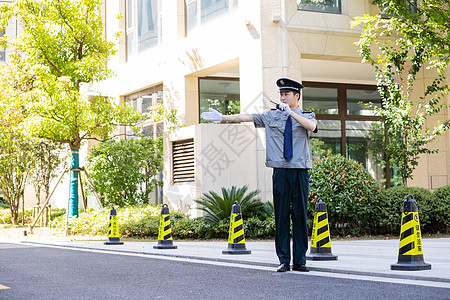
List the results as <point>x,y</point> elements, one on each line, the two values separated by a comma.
<point>277,126</point>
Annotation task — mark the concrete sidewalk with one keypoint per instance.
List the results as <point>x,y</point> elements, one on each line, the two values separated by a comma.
<point>362,257</point>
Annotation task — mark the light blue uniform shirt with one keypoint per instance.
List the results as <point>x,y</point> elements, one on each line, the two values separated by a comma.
<point>274,122</point>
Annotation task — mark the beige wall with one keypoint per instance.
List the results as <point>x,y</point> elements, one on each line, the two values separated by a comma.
<point>263,41</point>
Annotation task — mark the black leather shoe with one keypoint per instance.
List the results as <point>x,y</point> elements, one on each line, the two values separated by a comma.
<point>300,268</point>
<point>283,267</point>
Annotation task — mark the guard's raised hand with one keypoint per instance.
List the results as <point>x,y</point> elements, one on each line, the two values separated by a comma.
<point>212,115</point>
<point>285,108</point>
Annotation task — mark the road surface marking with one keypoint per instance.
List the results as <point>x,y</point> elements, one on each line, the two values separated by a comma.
<point>2,287</point>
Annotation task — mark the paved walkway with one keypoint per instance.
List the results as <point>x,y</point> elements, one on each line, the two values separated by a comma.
<point>362,257</point>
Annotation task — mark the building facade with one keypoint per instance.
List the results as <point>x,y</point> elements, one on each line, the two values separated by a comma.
<point>227,54</point>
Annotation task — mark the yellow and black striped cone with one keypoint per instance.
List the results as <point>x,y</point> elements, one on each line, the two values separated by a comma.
<point>410,250</point>
<point>236,239</point>
<point>320,238</point>
<point>165,239</point>
<point>113,229</point>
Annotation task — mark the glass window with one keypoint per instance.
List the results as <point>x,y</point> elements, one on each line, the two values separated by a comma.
<point>327,140</point>
<point>191,16</point>
<point>202,11</point>
<point>320,100</point>
<point>357,142</point>
<point>142,101</point>
<point>326,6</point>
<point>358,99</point>
<point>142,25</point>
<point>130,11</point>
<point>213,8</point>
<point>146,103</point>
<point>339,107</point>
<point>220,94</point>
<point>147,17</point>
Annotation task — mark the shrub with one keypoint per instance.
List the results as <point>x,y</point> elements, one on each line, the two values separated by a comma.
<point>440,208</point>
<point>219,208</point>
<point>391,203</point>
<point>123,171</point>
<point>350,193</point>
<point>3,203</point>
<point>134,221</point>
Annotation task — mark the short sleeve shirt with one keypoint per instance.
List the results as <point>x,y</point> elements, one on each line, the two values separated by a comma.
<point>274,122</point>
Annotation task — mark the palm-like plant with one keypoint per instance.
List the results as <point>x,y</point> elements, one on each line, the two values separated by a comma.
<point>219,208</point>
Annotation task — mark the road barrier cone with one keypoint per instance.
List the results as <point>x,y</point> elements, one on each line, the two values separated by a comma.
<point>165,239</point>
<point>113,229</point>
<point>236,239</point>
<point>410,252</point>
<point>320,238</point>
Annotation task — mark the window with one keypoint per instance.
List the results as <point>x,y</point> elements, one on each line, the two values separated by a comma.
<point>202,11</point>
<point>222,94</point>
<point>143,25</point>
<point>343,121</point>
<point>325,6</point>
<point>142,101</point>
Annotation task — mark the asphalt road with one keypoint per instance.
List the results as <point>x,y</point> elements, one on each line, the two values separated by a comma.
<point>53,273</point>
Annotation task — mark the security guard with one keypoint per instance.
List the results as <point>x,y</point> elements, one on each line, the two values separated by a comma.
<point>288,152</point>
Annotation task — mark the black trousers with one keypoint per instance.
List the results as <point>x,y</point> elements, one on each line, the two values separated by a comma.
<point>290,199</point>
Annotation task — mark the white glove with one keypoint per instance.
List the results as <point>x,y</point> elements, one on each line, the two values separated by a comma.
<point>212,115</point>
<point>284,108</point>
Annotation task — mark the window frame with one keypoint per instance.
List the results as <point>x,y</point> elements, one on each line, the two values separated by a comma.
<point>156,93</point>
<point>324,12</point>
<point>198,23</point>
<point>342,115</point>
<point>133,29</point>
<point>212,78</point>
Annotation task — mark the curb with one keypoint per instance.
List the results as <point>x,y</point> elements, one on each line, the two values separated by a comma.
<point>252,263</point>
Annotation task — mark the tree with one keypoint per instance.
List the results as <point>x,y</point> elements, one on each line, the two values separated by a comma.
<point>16,159</point>
<point>124,171</point>
<point>61,49</point>
<point>414,39</point>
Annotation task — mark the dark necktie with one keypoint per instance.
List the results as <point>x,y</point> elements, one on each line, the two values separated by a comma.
<point>288,139</point>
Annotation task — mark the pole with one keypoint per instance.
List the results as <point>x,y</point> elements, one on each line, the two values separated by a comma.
<point>82,192</point>
<point>46,201</point>
<point>93,188</point>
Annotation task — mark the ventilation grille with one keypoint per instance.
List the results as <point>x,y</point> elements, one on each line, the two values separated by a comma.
<point>183,161</point>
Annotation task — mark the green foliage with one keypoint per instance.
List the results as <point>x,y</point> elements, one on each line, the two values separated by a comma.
<point>123,171</point>
<point>62,47</point>
<point>3,203</point>
<point>350,193</point>
<point>412,41</point>
<point>391,203</point>
<point>219,208</point>
<point>440,209</point>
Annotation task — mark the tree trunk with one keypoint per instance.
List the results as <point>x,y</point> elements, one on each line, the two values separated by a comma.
<point>14,215</point>
<point>23,208</point>
<point>73,197</point>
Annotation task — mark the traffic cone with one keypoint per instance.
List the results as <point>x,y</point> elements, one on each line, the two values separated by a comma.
<point>320,238</point>
<point>410,251</point>
<point>165,240</point>
<point>113,229</point>
<point>236,239</point>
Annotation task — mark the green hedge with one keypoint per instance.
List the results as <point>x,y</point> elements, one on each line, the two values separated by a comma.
<point>350,193</point>
<point>391,203</point>
<point>440,210</point>
<point>143,222</point>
